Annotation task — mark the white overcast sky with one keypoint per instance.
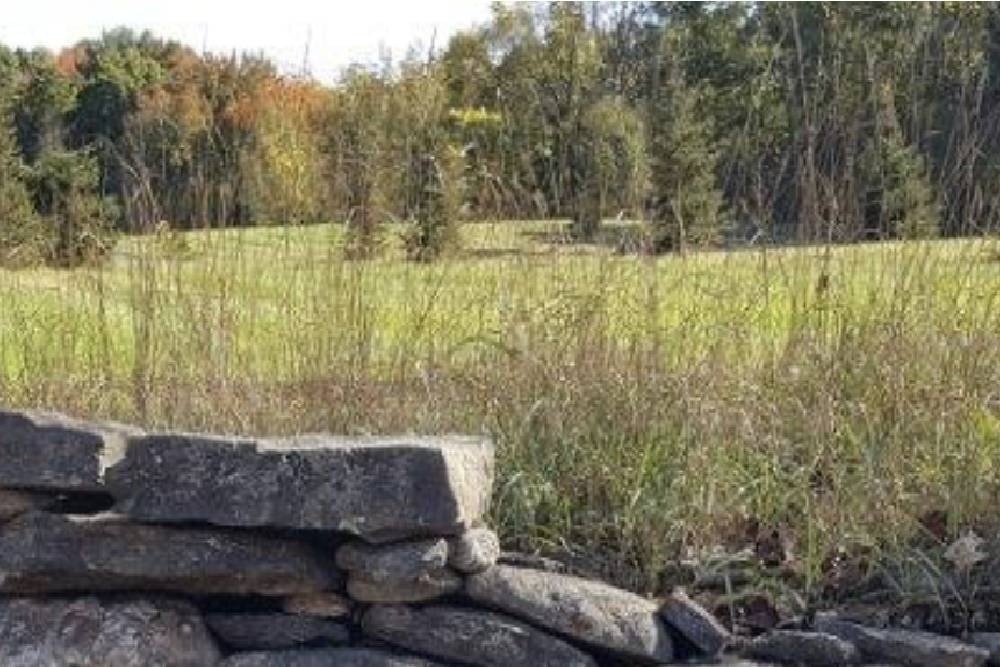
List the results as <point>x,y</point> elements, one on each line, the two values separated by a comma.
<point>337,32</point>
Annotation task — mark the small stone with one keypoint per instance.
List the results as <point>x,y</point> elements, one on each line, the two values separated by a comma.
<point>47,553</point>
<point>795,647</point>
<point>400,562</point>
<point>474,551</point>
<point>323,605</point>
<point>432,585</point>
<point>599,615</point>
<point>16,503</point>
<point>989,641</point>
<point>342,657</point>
<point>695,624</point>
<point>88,632</point>
<point>249,632</point>
<point>473,637</point>
<point>49,451</point>
<point>380,489</point>
<point>906,647</point>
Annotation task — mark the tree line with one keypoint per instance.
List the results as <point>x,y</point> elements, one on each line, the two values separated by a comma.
<point>713,122</point>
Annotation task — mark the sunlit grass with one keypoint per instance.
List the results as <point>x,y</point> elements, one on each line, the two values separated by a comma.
<point>642,405</point>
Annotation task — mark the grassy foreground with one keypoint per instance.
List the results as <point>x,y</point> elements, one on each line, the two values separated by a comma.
<point>840,400</point>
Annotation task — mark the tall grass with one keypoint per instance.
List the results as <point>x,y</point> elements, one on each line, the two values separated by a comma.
<point>644,408</point>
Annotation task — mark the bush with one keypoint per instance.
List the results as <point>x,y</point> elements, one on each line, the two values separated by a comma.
<point>435,228</point>
<point>77,225</point>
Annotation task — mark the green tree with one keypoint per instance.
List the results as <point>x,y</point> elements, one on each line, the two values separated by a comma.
<point>688,202</point>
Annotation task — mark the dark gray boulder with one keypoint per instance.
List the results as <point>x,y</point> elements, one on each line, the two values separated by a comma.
<point>48,451</point>
<point>16,503</point>
<point>90,633</point>
<point>910,648</point>
<point>381,489</point>
<point>343,657</point>
<point>271,631</point>
<point>695,624</point>
<point>989,641</point>
<point>614,620</point>
<point>793,647</point>
<point>46,553</point>
<point>470,636</point>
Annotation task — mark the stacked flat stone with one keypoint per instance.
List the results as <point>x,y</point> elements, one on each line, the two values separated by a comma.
<point>120,548</point>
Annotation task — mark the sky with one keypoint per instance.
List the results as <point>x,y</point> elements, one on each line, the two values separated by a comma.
<point>325,34</point>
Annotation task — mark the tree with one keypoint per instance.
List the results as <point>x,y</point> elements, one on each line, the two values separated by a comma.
<point>688,203</point>
<point>358,145</point>
<point>432,182</point>
<point>21,231</point>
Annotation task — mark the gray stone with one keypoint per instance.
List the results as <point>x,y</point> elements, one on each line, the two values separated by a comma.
<point>474,551</point>
<point>16,503</point>
<point>90,633</point>
<point>474,637</point>
<point>402,561</point>
<point>794,647</point>
<point>46,553</point>
<point>344,657</point>
<point>594,613</point>
<point>905,647</point>
<point>694,623</point>
<point>267,631</point>
<point>400,572</point>
<point>430,586</point>
<point>989,641</point>
<point>48,451</point>
<point>323,605</point>
<point>382,489</point>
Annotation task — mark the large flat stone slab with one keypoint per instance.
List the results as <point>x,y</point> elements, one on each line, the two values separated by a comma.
<point>344,657</point>
<point>91,633</point>
<point>613,620</point>
<point>45,553</point>
<point>470,636</point>
<point>910,648</point>
<point>381,489</point>
<point>49,451</point>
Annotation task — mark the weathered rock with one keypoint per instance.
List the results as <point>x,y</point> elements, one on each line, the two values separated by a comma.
<point>48,451</point>
<point>430,586</point>
<point>793,647</point>
<point>250,632</point>
<point>695,624</point>
<point>402,561</point>
<point>905,647</point>
<point>989,641</point>
<point>474,551</point>
<point>45,553</point>
<point>474,637</point>
<point>400,572</point>
<point>614,620</point>
<point>90,633</point>
<point>323,605</point>
<point>16,503</point>
<point>382,489</point>
<point>344,657</point>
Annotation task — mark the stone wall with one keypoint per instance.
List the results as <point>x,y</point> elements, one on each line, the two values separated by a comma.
<point>120,548</point>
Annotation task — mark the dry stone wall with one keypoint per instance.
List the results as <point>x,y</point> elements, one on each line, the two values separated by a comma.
<point>120,548</point>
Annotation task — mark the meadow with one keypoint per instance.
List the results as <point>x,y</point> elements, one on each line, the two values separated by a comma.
<point>843,400</point>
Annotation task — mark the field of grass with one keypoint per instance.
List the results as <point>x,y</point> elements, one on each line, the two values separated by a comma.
<point>845,400</point>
